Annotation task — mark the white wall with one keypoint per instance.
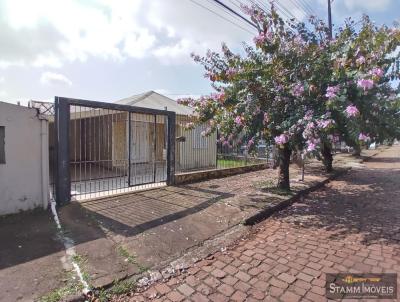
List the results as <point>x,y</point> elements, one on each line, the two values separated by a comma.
<point>24,176</point>
<point>197,152</point>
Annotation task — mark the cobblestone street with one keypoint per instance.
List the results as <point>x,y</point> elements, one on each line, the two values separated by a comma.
<point>351,225</point>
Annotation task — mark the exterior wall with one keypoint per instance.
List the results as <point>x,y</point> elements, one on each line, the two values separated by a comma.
<point>195,152</point>
<point>23,176</point>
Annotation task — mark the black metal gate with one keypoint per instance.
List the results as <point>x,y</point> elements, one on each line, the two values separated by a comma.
<point>105,148</point>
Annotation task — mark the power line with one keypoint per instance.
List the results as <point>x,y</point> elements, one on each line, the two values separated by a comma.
<point>310,9</point>
<point>219,15</point>
<point>235,13</point>
<point>227,11</point>
<point>298,5</point>
<point>285,11</point>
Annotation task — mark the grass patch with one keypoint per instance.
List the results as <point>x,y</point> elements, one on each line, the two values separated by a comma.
<point>73,287</point>
<point>233,163</point>
<point>118,288</point>
<point>131,258</point>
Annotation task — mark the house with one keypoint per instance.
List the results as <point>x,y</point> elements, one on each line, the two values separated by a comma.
<point>24,160</point>
<point>193,151</point>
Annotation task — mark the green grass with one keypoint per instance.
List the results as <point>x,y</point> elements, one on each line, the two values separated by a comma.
<point>233,163</point>
<point>130,258</point>
<point>72,287</point>
<point>118,288</point>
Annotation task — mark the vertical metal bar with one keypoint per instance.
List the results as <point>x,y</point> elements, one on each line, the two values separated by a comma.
<point>129,148</point>
<point>216,149</point>
<point>63,188</point>
<point>171,148</point>
<point>155,149</point>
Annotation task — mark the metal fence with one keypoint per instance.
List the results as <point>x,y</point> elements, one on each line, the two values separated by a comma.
<point>98,149</point>
<point>102,149</point>
<point>238,155</point>
<point>196,151</point>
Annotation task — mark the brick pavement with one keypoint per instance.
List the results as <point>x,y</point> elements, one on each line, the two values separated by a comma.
<point>353,224</point>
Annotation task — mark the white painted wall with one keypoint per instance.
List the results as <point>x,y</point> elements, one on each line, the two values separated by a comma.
<point>24,177</point>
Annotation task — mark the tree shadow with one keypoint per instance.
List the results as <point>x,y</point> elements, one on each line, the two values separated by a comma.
<point>363,204</point>
<point>132,214</point>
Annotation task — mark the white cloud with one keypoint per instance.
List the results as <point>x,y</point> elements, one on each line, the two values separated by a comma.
<point>52,78</point>
<point>3,93</point>
<point>178,52</point>
<point>48,33</point>
<point>2,79</point>
<point>138,44</point>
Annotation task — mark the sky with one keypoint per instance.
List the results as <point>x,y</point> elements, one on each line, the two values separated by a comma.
<point>106,50</point>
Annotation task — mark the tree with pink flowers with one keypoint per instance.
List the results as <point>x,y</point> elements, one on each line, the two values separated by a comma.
<point>364,62</point>
<point>295,88</point>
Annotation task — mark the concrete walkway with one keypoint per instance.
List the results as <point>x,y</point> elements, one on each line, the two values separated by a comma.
<point>123,236</point>
<point>351,225</point>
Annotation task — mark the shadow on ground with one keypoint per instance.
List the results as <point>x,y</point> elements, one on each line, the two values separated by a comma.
<point>130,215</point>
<point>364,204</point>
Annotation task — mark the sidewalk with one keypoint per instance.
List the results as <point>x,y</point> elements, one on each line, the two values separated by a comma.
<point>127,235</point>
<point>351,225</point>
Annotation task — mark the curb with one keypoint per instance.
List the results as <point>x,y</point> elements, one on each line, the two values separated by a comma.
<point>267,212</point>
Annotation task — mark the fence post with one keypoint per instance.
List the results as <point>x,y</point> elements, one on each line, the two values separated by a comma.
<point>63,176</point>
<point>171,148</point>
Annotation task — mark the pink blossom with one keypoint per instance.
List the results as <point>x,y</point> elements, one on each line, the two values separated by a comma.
<point>260,39</point>
<point>298,90</point>
<point>281,139</point>
<point>231,72</point>
<point>331,92</point>
<point>220,97</point>
<point>308,115</point>
<point>239,120</point>
<point>324,123</point>
<point>378,72</point>
<point>365,84</point>
<point>310,126</point>
<point>364,137</point>
<point>311,146</point>
<point>360,60</point>
<point>250,143</point>
<point>266,119</point>
<point>351,111</point>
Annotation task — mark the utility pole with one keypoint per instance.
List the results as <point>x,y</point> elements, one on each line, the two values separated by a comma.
<point>330,19</point>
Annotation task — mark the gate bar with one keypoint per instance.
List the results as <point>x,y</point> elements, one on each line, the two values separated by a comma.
<point>62,120</point>
<point>63,176</point>
<point>171,149</point>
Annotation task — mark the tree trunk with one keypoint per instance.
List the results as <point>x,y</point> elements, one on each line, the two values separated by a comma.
<point>327,157</point>
<point>284,161</point>
<point>357,150</point>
